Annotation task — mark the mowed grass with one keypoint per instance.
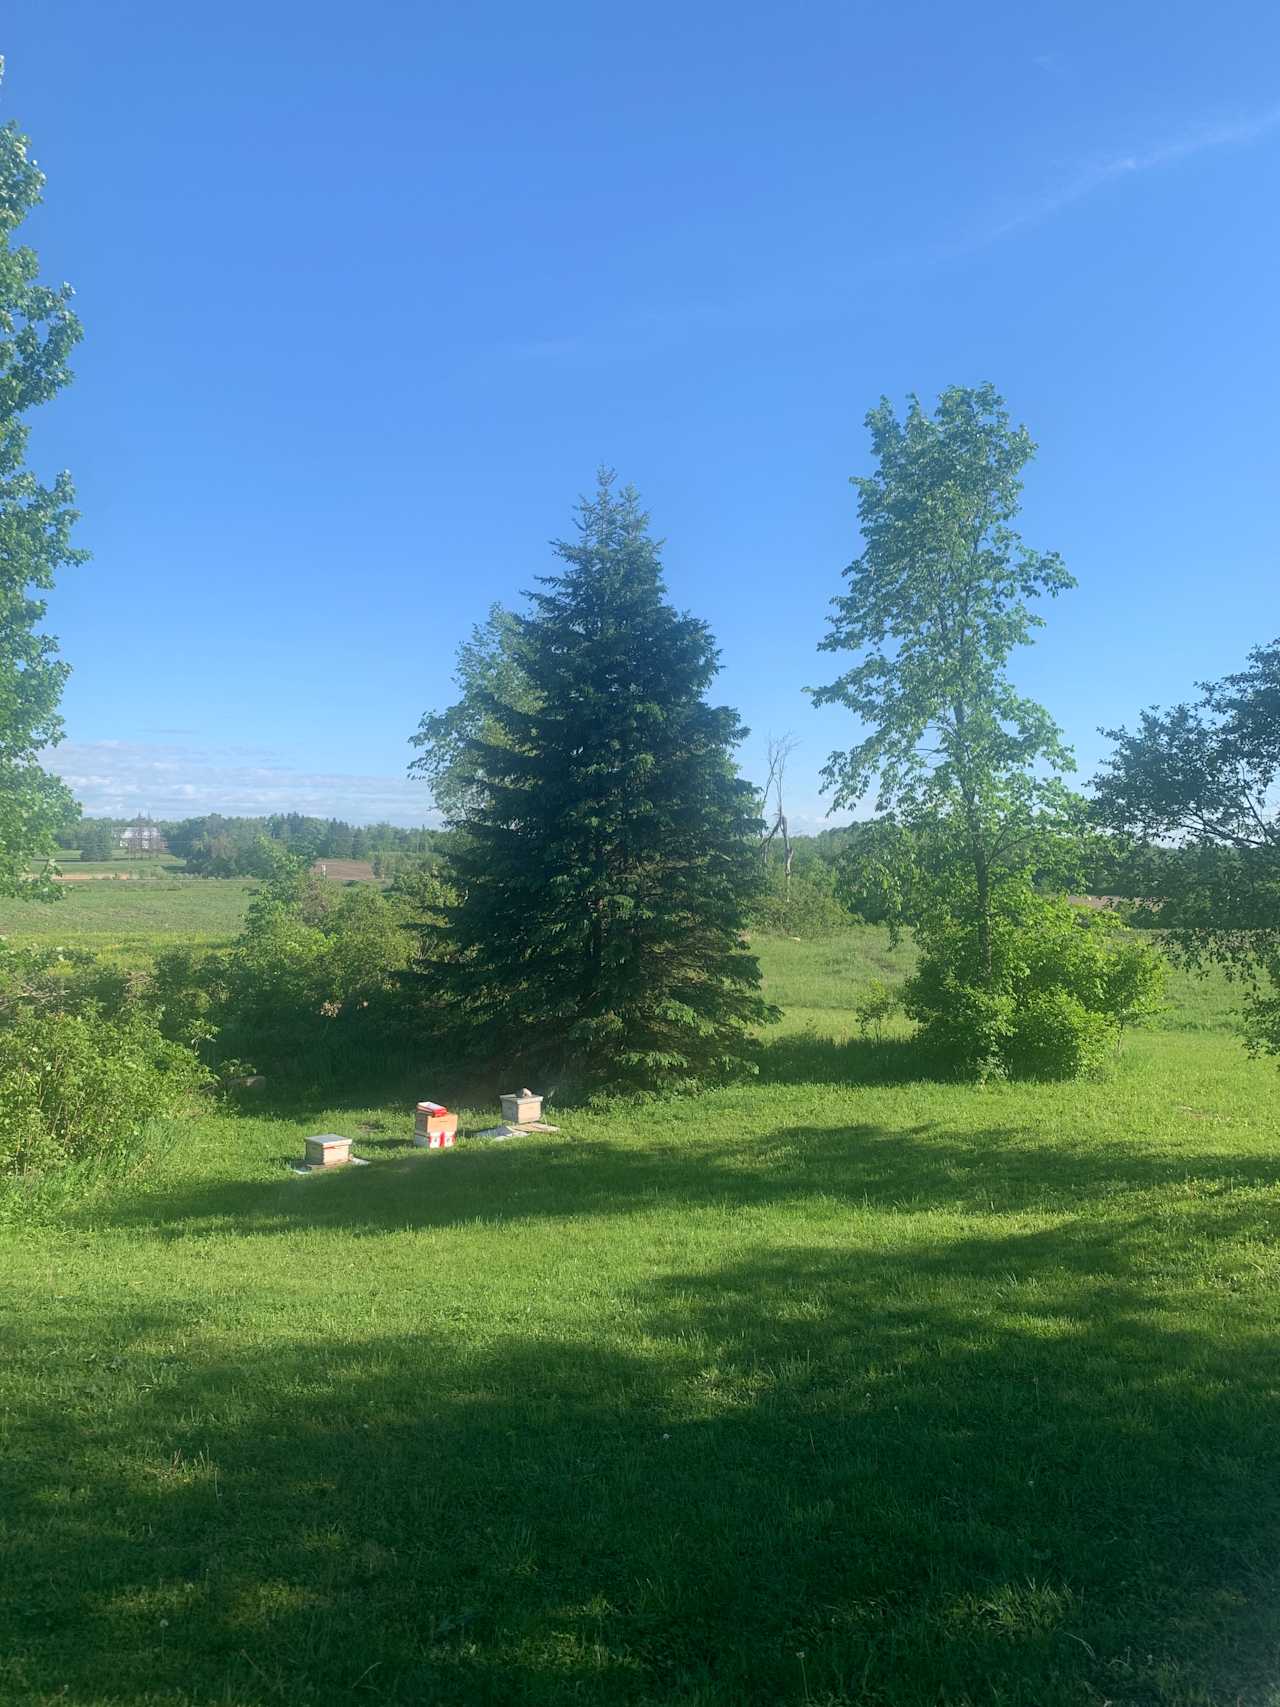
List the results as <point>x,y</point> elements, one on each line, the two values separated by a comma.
<point>846,1386</point>
<point>129,920</point>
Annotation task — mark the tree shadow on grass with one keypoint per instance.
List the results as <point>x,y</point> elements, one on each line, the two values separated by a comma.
<point>924,1168</point>
<point>370,1082</point>
<point>285,1097</point>
<point>811,1057</point>
<point>1008,1468</point>
<point>803,1057</point>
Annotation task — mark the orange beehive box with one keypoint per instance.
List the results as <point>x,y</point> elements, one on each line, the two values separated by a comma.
<point>434,1128</point>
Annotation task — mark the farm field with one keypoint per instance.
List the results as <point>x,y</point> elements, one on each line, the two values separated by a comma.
<point>126,921</point>
<point>71,861</point>
<point>845,1386</point>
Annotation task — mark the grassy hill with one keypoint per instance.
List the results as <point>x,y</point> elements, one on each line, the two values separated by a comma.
<point>843,1386</point>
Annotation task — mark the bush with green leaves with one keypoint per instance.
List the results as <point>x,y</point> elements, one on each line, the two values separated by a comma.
<point>313,978</point>
<point>97,839</point>
<point>1262,1013</point>
<point>58,980</point>
<point>876,1004</point>
<point>806,907</point>
<point>79,1085</point>
<point>1064,982</point>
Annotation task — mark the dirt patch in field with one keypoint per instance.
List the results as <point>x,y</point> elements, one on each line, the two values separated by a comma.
<point>344,870</point>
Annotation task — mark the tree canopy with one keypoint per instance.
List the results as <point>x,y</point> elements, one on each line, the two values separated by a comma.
<point>488,670</point>
<point>1194,792</point>
<point>38,330</point>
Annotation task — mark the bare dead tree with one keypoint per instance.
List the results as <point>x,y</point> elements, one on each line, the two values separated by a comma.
<point>781,748</point>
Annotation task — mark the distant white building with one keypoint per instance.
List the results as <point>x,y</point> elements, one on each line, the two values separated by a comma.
<point>142,838</point>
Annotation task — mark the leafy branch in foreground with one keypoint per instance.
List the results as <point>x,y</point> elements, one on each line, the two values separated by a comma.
<point>38,330</point>
<point>1194,790</point>
<point>1194,793</point>
<point>489,675</point>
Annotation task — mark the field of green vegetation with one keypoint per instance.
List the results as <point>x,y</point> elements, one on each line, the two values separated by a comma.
<point>73,860</point>
<point>128,920</point>
<point>843,1386</point>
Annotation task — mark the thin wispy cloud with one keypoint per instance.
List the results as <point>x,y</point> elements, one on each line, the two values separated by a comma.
<point>1087,179</point>
<point>121,779</point>
<point>655,327</point>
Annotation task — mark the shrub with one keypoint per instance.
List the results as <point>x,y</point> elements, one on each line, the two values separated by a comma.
<point>812,908</point>
<point>185,991</point>
<point>313,976</point>
<point>1262,1016</point>
<point>74,1085</point>
<point>1065,981</point>
<point>58,980</point>
<point>877,1003</point>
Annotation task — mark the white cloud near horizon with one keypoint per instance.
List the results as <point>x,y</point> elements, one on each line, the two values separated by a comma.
<point>123,779</point>
<point>120,779</point>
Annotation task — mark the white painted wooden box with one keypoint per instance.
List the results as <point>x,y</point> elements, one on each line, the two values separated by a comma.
<point>327,1150</point>
<point>520,1108</point>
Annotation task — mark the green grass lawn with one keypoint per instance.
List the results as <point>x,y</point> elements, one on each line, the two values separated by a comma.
<point>129,920</point>
<point>844,1387</point>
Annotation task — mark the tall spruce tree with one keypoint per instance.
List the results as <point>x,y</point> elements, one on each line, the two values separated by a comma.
<point>608,855</point>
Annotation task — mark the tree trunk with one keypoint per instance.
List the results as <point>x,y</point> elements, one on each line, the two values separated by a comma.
<point>981,862</point>
<point>982,878</point>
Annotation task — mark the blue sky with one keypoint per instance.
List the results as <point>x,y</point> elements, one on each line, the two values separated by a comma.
<point>370,291</point>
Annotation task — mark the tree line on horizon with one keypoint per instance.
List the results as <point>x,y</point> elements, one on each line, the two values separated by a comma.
<point>216,844</point>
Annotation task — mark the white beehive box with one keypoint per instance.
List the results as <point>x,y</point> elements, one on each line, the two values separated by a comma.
<point>521,1108</point>
<point>327,1150</point>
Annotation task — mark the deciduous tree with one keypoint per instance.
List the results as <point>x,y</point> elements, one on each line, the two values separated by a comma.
<point>97,839</point>
<point>38,331</point>
<point>937,601</point>
<point>1194,794</point>
<point>1194,791</point>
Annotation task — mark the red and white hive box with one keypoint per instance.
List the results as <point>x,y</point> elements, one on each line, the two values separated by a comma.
<point>434,1128</point>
